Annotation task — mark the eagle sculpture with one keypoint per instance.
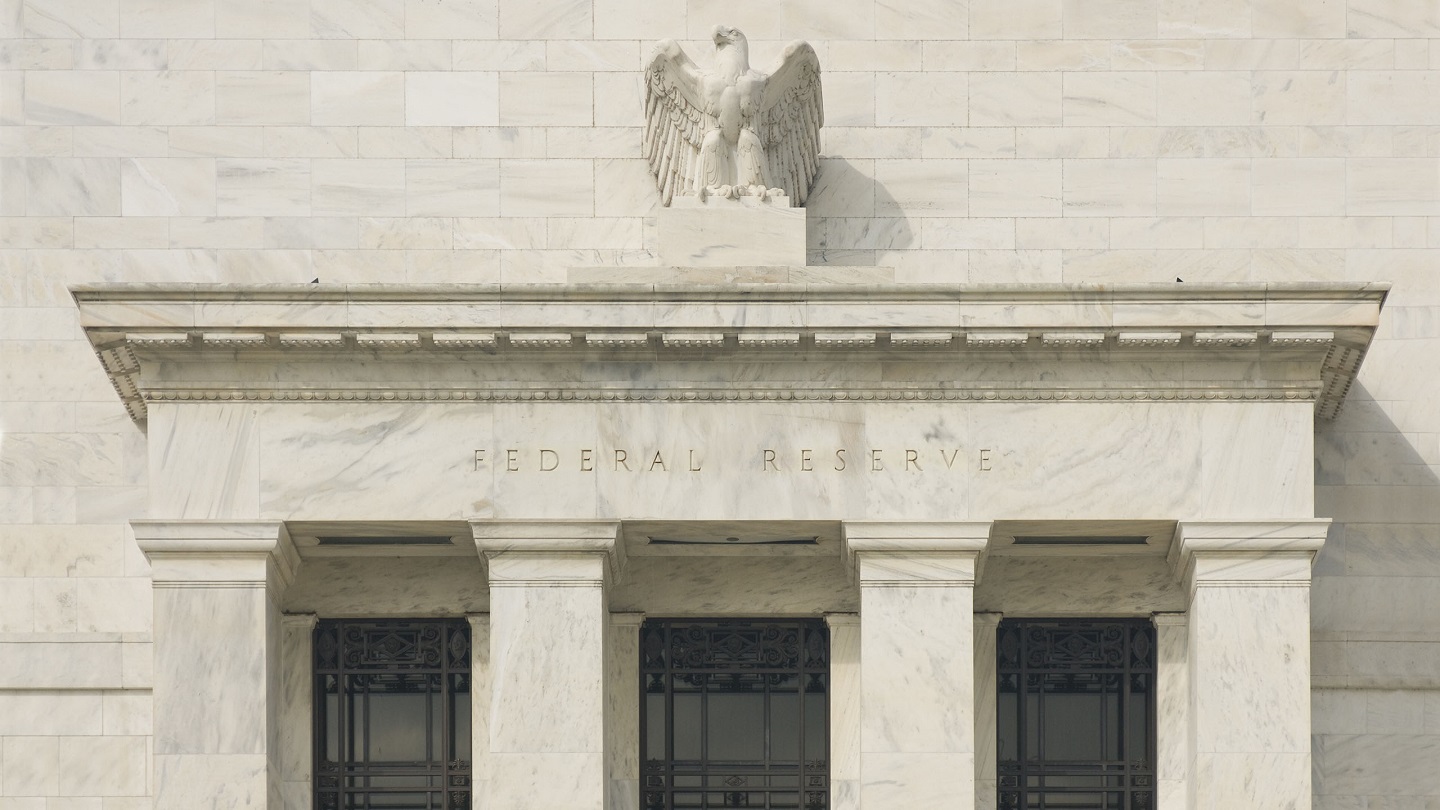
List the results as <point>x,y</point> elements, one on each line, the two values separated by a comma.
<point>733,131</point>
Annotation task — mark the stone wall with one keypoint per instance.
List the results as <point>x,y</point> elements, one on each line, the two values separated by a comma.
<point>499,141</point>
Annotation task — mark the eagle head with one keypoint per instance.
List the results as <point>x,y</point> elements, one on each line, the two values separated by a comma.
<point>725,35</point>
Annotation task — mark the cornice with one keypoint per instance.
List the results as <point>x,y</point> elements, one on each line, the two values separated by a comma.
<point>1327,325</point>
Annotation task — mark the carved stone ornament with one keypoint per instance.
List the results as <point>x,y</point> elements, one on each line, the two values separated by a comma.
<point>733,131</point>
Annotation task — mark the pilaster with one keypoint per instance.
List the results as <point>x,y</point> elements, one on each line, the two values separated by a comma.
<point>479,708</point>
<point>1174,734</point>
<point>297,689</point>
<point>917,664</point>
<point>844,710</point>
<point>548,628</point>
<point>622,711</point>
<point>217,681</point>
<point>1248,646</point>
<point>986,625</point>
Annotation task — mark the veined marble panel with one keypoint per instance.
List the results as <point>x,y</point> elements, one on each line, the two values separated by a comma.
<point>204,462</point>
<point>906,781</point>
<point>556,631</point>
<point>719,586</point>
<point>1078,586</point>
<point>1249,657</point>
<point>743,460</point>
<point>622,710</point>
<point>917,672</point>
<point>389,586</point>
<point>208,686</point>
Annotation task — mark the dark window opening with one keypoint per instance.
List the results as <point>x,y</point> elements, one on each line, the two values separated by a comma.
<point>392,715</point>
<point>735,714</point>
<point>1076,715</point>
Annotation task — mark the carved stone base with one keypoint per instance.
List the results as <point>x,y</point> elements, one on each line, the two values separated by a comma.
<point>719,231</point>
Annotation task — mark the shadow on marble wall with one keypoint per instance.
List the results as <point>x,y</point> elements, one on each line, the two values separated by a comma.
<point>1377,580</point>
<point>853,219</point>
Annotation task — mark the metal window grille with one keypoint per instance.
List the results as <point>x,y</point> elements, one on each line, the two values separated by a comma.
<point>1076,715</point>
<point>392,715</point>
<point>735,714</point>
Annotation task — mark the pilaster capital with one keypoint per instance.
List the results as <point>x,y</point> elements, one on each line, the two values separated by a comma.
<point>217,553</point>
<point>299,621</point>
<point>915,553</point>
<point>988,619</point>
<point>1254,553</point>
<point>834,620</point>
<point>538,542</point>
<point>627,619</point>
<point>1170,619</point>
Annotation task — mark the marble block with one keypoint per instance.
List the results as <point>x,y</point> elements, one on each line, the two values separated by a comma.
<point>717,232</point>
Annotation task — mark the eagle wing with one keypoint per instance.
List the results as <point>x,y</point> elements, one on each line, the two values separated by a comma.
<point>789,119</point>
<point>675,118</point>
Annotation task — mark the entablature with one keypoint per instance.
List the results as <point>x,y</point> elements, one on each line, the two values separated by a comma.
<point>188,342</point>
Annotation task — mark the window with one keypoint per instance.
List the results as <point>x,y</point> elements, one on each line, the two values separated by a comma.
<point>1076,715</point>
<point>392,715</point>
<point>734,714</point>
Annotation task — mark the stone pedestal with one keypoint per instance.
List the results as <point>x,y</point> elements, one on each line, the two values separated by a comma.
<point>917,667</point>
<point>548,624</point>
<point>720,232</point>
<point>1249,657</point>
<point>217,660</point>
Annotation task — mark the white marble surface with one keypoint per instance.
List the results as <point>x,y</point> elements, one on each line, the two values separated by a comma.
<point>390,586</point>
<point>295,710</point>
<point>845,707</point>
<point>985,710</point>
<point>482,766</point>
<point>1313,122</point>
<point>721,232</point>
<point>217,660</point>
<point>340,461</point>
<point>622,711</point>
<point>1173,747</point>
<point>700,586</point>
<point>547,637</point>
<point>1078,586</point>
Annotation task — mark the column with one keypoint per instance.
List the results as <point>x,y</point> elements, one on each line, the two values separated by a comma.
<point>479,709</point>
<point>217,635</point>
<point>297,719</point>
<point>1172,711</point>
<point>1249,657</point>
<point>917,668</point>
<point>622,711</point>
<point>548,623</point>
<point>986,766</point>
<point>844,710</point>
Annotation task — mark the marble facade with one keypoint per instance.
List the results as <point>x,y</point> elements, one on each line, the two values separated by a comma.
<point>547,463</point>
<point>440,167</point>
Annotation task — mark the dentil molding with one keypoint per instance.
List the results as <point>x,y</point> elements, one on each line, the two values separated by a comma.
<point>774,342</point>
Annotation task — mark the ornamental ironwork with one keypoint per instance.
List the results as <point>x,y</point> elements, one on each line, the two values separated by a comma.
<point>1076,714</point>
<point>734,714</point>
<point>392,715</point>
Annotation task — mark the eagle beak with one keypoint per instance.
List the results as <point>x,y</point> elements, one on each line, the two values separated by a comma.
<point>719,35</point>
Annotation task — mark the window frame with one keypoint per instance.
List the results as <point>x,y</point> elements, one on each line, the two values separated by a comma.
<point>812,770</point>
<point>1135,770</point>
<point>340,649</point>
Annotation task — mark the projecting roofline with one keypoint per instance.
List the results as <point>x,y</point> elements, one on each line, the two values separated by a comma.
<point>1024,341</point>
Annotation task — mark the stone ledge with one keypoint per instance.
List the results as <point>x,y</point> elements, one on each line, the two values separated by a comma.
<point>1321,331</point>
